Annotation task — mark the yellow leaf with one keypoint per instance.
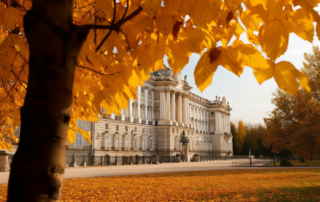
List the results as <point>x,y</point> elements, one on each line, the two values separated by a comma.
<point>71,136</point>
<point>151,7</point>
<point>20,45</point>
<point>6,43</point>
<point>205,68</point>
<point>165,22</point>
<point>274,39</point>
<point>203,12</point>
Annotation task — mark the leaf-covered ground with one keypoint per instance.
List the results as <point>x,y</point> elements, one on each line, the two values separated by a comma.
<point>232,185</point>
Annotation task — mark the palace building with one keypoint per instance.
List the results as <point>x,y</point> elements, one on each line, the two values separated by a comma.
<point>156,121</point>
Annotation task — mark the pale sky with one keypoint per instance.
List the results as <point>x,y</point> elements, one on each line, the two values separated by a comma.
<point>249,101</point>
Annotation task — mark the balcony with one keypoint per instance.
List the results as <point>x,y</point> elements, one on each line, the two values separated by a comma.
<point>136,120</point>
<point>127,119</point>
<point>143,122</point>
<point>78,146</point>
<point>117,118</point>
<point>149,122</point>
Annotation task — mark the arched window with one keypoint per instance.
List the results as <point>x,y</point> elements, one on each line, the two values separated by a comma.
<point>150,144</point>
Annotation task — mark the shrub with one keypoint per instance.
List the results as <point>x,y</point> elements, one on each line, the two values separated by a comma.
<point>285,163</point>
<point>302,160</point>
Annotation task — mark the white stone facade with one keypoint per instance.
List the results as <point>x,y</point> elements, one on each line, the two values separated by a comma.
<point>154,123</point>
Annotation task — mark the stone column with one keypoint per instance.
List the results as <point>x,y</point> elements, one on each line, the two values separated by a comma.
<point>217,120</point>
<point>173,107</point>
<point>168,108</point>
<point>152,105</point>
<point>112,116</point>
<point>180,110</point>
<point>146,103</point>
<point>194,117</point>
<point>162,108</point>
<point>130,110</point>
<point>139,104</point>
<point>122,115</point>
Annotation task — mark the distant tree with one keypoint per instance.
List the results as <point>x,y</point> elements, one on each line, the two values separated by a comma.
<point>240,135</point>
<point>233,130</point>
<point>294,122</point>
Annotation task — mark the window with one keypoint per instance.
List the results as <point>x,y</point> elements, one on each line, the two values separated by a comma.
<point>150,144</point>
<point>142,130</point>
<point>212,113</point>
<point>126,128</point>
<point>106,126</point>
<point>135,144</point>
<point>177,143</point>
<point>142,90</point>
<point>117,127</point>
<point>143,143</point>
<point>106,144</point>
<point>78,141</point>
<point>149,92</point>
<point>79,123</point>
<point>126,145</point>
<point>142,114</point>
<point>117,142</point>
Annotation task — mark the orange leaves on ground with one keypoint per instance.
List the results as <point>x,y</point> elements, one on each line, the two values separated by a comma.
<point>232,185</point>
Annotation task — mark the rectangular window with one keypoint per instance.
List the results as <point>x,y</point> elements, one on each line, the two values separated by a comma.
<point>212,113</point>
<point>117,127</point>
<point>150,144</point>
<point>143,144</point>
<point>79,123</point>
<point>135,144</point>
<point>117,142</point>
<point>142,130</point>
<point>106,126</point>
<point>106,144</point>
<point>142,90</point>
<point>126,143</point>
<point>126,128</point>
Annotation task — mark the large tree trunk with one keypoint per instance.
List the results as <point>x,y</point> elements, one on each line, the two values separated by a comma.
<point>38,166</point>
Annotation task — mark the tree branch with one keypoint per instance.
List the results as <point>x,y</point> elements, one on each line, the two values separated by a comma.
<point>90,69</point>
<point>116,25</point>
<point>112,24</point>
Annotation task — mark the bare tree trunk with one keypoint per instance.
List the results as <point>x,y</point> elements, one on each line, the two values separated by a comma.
<point>38,166</point>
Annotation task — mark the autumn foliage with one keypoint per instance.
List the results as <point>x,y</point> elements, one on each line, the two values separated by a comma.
<point>293,124</point>
<point>143,32</point>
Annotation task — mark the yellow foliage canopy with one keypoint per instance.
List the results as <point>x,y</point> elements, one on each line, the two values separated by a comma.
<point>176,28</point>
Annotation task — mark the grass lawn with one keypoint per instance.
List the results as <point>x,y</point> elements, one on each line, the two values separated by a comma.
<point>232,185</point>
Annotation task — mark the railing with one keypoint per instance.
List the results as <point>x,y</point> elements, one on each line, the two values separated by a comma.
<point>78,146</point>
<point>150,122</point>
<point>143,122</point>
<point>276,161</point>
<point>73,161</point>
<point>127,119</point>
<point>118,118</point>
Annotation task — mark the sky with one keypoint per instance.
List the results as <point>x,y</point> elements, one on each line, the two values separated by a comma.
<point>249,100</point>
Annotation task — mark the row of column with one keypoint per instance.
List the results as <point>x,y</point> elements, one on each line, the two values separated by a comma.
<point>202,115</point>
<point>168,108</point>
<point>130,106</point>
<point>222,120</point>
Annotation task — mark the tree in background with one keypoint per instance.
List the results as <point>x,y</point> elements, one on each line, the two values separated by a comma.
<point>294,122</point>
<point>240,135</point>
<point>233,130</point>
<point>67,59</point>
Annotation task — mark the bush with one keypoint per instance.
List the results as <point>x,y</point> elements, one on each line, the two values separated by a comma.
<point>302,160</point>
<point>285,163</point>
